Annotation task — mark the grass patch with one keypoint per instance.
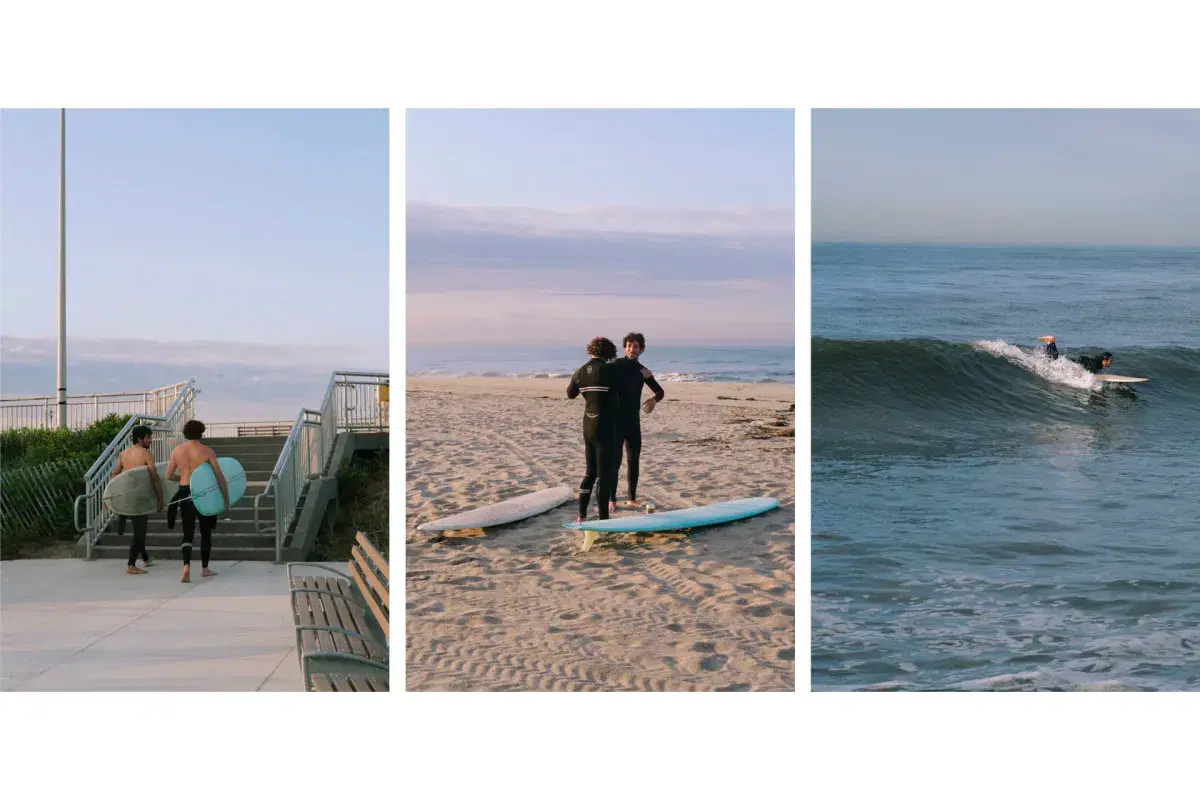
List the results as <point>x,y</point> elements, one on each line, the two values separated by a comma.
<point>42,474</point>
<point>362,505</point>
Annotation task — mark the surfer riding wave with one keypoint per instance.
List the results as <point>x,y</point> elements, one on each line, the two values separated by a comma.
<point>1092,364</point>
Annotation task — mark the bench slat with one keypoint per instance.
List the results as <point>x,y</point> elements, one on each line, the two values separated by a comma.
<point>342,683</point>
<point>374,555</point>
<point>365,577</point>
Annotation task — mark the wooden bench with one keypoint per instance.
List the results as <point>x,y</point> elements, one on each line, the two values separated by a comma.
<point>342,623</point>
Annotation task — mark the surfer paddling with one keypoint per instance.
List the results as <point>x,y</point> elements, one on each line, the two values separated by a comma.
<point>630,376</point>
<point>138,455</point>
<point>1092,364</point>
<point>595,381</point>
<point>185,459</point>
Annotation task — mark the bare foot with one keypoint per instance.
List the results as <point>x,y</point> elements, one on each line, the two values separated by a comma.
<point>612,506</point>
<point>632,504</point>
<point>147,561</point>
<point>579,520</point>
<point>134,571</point>
<point>187,575</point>
<point>207,573</point>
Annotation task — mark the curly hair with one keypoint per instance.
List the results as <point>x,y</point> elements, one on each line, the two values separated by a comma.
<point>601,347</point>
<point>634,337</point>
<point>193,429</point>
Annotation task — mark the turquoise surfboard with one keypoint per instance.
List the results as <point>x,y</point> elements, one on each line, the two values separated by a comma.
<point>206,492</point>
<point>683,518</point>
<point>696,517</point>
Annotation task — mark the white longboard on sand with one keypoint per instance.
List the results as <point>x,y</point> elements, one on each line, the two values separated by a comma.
<point>1121,379</point>
<point>518,508</point>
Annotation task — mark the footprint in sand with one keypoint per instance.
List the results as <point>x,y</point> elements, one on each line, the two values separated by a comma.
<point>704,647</point>
<point>492,620</point>
<point>464,580</point>
<point>568,615</point>
<point>714,663</point>
<point>759,611</point>
<point>735,687</point>
<point>675,627</point>
<point>787,654</point>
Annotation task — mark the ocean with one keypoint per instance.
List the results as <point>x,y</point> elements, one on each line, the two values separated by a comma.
<point>715,363</point>
<point>983,518</point>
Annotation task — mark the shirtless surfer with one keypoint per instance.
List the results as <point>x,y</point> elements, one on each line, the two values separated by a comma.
<point>185,459</point>
<point>138,455</point>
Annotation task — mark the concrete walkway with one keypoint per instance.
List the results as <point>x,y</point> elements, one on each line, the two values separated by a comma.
<point>74,625</point>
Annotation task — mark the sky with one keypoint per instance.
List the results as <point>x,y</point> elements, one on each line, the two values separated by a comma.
<point>1100,177</point>
<point>551,227</point>
<point>266,231</point>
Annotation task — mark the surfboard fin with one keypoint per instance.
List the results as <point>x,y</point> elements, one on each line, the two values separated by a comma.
<point>589,539</point>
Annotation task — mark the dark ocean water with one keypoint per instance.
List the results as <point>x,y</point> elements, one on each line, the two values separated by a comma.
<point>985,518</point>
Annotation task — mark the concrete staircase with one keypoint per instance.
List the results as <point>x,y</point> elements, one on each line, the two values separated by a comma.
<point>235,538</point>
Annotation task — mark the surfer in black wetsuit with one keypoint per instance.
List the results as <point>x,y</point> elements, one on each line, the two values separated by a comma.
<point>1092,364</point>
<point>594,380</point>
<point>630,376</point>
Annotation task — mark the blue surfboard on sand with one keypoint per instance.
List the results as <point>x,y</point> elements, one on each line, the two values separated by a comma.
<point>699,516</point>
<point>206,492</point>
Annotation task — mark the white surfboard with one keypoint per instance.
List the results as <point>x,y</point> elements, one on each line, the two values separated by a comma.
<point>132,494</point>
<point>1121,379</point>
<point>518,508</point>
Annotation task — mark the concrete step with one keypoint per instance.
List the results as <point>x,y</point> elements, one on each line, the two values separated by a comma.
<point>243,507</point>
<point>248,444</point>
<point>256,461</point>
<point>173,554</point>
<point>245,525</point>
<point>241,511</point>
<point>175,539</point>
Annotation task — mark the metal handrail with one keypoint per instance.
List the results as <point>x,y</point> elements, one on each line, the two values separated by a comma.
<point>287,482</point>
<point>98,475</point>
<point>42,411</point>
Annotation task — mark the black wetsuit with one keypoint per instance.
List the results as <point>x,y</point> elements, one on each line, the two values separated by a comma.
<point>1092,364</point>
<point>138,546</point>
<point>630,376</point>
<point>594,380</point>
<point>183,500</point>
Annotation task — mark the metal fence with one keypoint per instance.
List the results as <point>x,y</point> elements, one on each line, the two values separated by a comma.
<point>354,401</point>
<point>168,430</point>
<point>85,409</point>
<point>30,494</point>
<point>241,430</point>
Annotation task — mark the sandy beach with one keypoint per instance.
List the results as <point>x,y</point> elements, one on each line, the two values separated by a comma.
<point>519,608</point>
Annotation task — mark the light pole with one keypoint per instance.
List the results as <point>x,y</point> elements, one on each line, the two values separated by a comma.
<point>62,269</point>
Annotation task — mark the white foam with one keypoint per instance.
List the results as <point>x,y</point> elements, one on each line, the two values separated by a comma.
<point>1061,370</point>
<point>682,377</point>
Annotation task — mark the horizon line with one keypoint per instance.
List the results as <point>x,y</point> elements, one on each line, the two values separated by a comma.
<point>659,342</point>
<point>948,243</point>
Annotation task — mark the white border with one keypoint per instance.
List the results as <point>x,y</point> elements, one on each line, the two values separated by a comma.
<point>621,54</point>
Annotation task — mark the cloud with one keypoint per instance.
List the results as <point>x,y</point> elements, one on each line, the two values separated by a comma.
<point>727,311</point>
<point>523,258</point>
<point>737,220</point>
